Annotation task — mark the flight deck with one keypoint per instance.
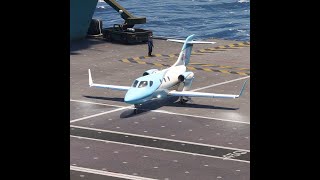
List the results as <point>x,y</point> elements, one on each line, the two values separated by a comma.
<point>205,138</point>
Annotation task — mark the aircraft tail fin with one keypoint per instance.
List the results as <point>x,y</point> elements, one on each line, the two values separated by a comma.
<point>184,56</point>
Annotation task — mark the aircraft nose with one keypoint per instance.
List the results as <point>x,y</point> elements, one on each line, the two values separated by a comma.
<point>130,97</point>
<point>136,96</point>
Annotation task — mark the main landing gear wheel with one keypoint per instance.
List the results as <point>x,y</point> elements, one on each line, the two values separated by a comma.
<point>183,100</point>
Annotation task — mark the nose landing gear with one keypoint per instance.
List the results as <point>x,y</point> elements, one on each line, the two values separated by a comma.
<point>136,108</point>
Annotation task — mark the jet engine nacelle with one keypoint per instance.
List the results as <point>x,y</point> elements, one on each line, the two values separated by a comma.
<point>185,76</point>
<point>150,71</point>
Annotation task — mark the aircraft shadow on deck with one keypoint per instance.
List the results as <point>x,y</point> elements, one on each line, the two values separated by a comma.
<point>105,98</point>
<point>158,103</point>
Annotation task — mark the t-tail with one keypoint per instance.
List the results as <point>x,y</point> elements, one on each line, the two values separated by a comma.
<point>184,56</point>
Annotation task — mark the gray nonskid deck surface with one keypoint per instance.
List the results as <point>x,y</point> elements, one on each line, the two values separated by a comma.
<point>203,139</point>
<point>159,143</point>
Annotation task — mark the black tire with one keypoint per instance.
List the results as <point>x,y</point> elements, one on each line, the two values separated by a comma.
<point>183,101</point>
<point>95,27</point>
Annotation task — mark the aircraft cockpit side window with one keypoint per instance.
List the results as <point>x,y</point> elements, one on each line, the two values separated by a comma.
<point>164,80</point>
<point>151,82</point>
<point>143,84</point>
<point>135,83</point>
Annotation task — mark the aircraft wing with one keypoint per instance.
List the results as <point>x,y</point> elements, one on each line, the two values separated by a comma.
<point>201,94</point>
<point>113,87</point>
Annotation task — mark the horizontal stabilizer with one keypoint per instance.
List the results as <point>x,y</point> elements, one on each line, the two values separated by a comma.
<point>191,42</point>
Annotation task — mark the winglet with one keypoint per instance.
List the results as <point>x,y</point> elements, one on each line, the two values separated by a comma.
<point>241,91</point>
<point>90,78</point>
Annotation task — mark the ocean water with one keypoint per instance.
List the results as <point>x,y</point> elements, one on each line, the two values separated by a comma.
<point>223,19</point>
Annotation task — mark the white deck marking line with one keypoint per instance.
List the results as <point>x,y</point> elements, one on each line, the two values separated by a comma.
<point>95,103</point>
<point>220,83</point>
<point>148,147</point>
<point>83,118</point>
<point>203,117</point>
<point>168,112</point>
<point>107,173</point>
<point>159,138</point>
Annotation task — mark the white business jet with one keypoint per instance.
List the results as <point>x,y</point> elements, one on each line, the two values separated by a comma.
<point>155,84</point>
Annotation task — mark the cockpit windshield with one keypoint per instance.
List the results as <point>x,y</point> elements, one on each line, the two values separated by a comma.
<point>135,83</point>
<point>143,84</point>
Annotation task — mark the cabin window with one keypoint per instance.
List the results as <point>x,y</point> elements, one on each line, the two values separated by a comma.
<point>143,84</point>
<point>151,82</point>
<point>168,78</point>
<point>135,83</point>
<point>164,80</point>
